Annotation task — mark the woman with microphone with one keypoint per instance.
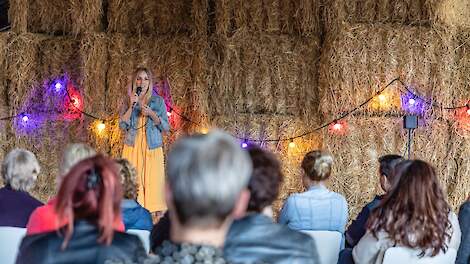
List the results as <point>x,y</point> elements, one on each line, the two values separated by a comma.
<point>144,119</point>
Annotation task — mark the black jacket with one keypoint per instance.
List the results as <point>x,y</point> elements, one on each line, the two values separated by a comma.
<point>256,239</point>
<point>463,255</point>
<point>82,248</point>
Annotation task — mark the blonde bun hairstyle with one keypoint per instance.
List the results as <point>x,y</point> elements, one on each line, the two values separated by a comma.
<point>317,165</point>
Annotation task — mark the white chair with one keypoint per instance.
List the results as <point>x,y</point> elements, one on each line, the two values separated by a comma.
<point>328,245</point>
<point>404,255</point>
<point>144,236</point>
<point>10,239</point>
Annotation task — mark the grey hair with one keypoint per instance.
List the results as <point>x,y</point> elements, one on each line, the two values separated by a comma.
<point>73,154</point>
<point>20,169</point>
<point>206,174</point>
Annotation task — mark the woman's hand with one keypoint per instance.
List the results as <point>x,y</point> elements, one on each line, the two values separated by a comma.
<point>147,111</point>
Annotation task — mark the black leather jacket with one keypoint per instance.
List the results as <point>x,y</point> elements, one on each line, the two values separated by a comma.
<point>82,248</point>
<point>256,239</point>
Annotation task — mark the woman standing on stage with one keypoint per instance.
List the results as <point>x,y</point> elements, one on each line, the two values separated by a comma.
<point>144,119</point>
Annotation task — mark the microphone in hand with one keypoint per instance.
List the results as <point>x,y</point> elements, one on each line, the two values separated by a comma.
<point>138,92</point>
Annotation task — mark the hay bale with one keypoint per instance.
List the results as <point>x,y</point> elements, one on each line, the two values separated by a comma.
<point>157,17</point>
<point>265,74</point>
<point>454,13</point>
<point>361,59</point>
<point>355,154</point>
<point>300,17</point>
<point>265,127</point>
<point>403,12</point>
<point>57,17</point>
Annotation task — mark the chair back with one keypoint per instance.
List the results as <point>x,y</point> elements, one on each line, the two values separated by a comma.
<point>144,236</point>
<point>405,255</point>
<point>10,239</point>
<point>328,245</point>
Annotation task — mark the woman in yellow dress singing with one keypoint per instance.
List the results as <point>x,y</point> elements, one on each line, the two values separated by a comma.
<point>144,119</point>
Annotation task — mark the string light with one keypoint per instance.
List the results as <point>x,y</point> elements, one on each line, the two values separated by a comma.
<point>204,131</point>
<point>411,101</point>
<point>168,114</point>
<point>100,127</point>
<point>292,144</point>
<point>25,118</point>
<point>382,98</point>
<point>244,145</point>
<point>57,86</point>
<point>337,126</point>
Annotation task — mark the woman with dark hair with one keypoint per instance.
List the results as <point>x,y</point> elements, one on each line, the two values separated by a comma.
<point>318,208</point>
<point>463,255</point>
<point>255,238</point>
<point>90,196</point>
<point>413,214</point>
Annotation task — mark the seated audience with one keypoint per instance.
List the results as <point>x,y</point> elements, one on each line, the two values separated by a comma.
<point>207,176</point>
<point>318,208</point>
<point>89,199</point>
<point>463,255</point>
<point>20,170</point>
<point>133,214</point>
<point>414,214</point>
<point>357,229</point>
<point>44,218</point>
<point>255,238</point>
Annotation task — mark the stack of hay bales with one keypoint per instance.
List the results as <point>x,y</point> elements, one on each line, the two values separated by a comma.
<point>368,44</point>
<point>263,76</point>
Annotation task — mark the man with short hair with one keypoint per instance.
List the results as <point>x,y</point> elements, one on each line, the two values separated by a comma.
<point>207,176</point>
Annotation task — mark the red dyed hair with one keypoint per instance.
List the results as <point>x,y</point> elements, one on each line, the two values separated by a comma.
<point>99,205</point>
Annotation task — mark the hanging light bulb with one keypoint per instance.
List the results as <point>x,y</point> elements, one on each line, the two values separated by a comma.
<point>292,143</point>
<point>57,86</point>
<point>411,102</point>
<point>382,98</point>
<point>101,126</point>
<point>204,131</point>
<point>244,145</point>
<point>25,118</point>
<point>337,126</point>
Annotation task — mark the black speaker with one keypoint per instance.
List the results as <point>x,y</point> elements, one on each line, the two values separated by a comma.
<point>410,122</point>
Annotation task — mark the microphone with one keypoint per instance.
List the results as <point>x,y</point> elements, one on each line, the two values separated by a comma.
<point>138,91</point>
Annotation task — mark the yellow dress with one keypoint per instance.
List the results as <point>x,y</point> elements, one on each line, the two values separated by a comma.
<point>150,167</point>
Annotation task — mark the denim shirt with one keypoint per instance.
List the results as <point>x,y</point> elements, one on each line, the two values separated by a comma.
<point>153,132</point>
<point>316,209</point>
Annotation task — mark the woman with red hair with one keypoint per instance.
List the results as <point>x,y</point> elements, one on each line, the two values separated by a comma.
<point>90,195</point>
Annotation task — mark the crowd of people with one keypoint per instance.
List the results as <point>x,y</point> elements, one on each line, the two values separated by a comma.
<point>219,198</point>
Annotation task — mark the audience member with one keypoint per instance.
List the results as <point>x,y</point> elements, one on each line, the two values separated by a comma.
<point>207,176</point>
<point>160,232</point>
<point>44,218</point>
<point>414,214</point>
<point>463,255</point>
<point>317,208</point>
<point>133,214</point>
<point>255,238</point>
<point>89,200</point>
<point>20,170</point>
<point>357,229</point>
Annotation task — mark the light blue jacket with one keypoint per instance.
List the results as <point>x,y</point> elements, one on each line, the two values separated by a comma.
<point>316,209</point>
<point>153,132</point>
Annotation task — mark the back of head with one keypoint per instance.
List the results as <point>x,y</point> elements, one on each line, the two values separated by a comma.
<point>414,212</point>
<point>128,177</point>
<point>73,154</point>
<point>317,165</point>
<point>90,191</point>
<point>206,174</point>
<point>20,169</point>
<point>387,165</point>
<point>265,179</point>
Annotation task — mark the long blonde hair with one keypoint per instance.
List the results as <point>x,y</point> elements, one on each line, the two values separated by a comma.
<point>134,85</point>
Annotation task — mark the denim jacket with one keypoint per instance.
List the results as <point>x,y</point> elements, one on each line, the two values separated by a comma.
<point>153,132</point>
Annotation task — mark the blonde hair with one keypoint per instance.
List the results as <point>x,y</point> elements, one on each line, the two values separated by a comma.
<point>128,175</point>
<point>317,165</point>
<point>73,154</point>
<point>20,169</point>
<point>134,85</point>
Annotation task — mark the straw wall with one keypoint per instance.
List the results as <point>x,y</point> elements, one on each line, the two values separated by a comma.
<point>157,17</point>
<point>264,73</point>
<point>301,17</point>
<point>60,17</point>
